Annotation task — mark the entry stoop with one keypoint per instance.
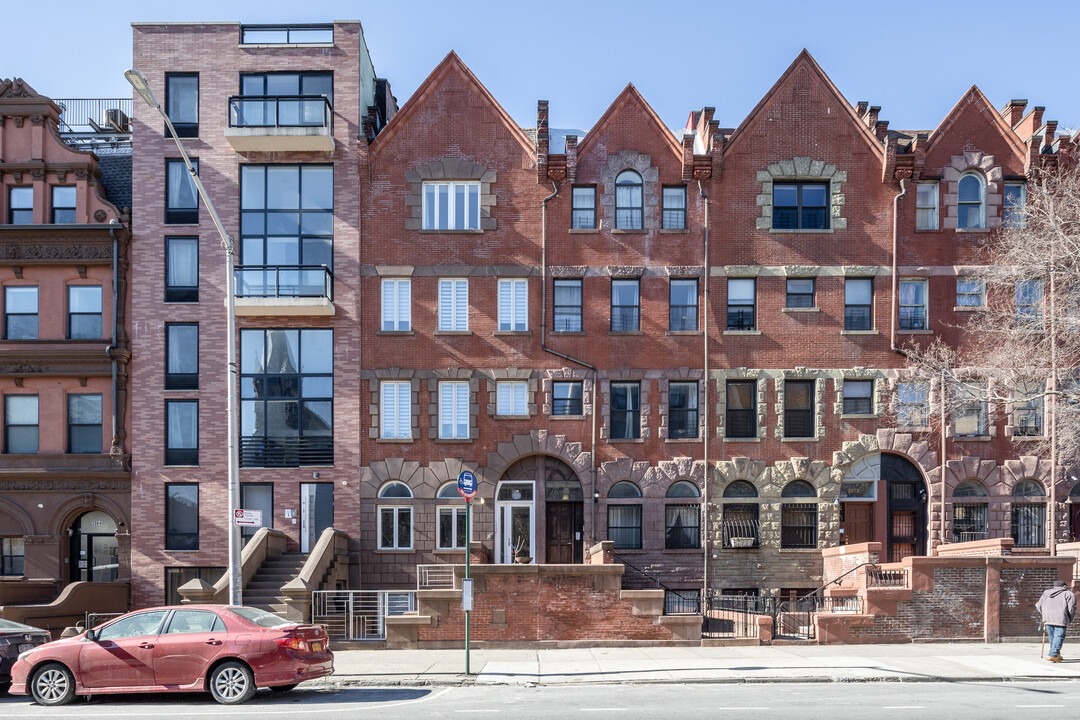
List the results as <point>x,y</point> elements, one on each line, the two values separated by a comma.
<point>263,591</point>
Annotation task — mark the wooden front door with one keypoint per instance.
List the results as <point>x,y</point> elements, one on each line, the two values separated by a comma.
<point>564,523</point>
<point>858,522</point>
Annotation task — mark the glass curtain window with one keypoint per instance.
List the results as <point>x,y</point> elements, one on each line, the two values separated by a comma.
<point>20,205</point>
<point>181,197</point>
<point>181,516</point>
<point>629,198</point>
<point>913,305</point>
<point>969,292</point>
<point>740,307</point>
<point>926,206</point>
<point>625,411</point>
<point>682,410</point>
<point>181,356</point>
<point>567,306</point>
<point>912,404</point>
<point>858,397</point>
<point>453,305</point>
<point>21,424</point>
<point>566,398</point>
<point>624,526</point>
<point>741,409</point>
<point>286,220</point>
<point>799,408</point>
<point>182,435</point>
<point>451,205</point>
<point>970,196</point>
<point>397,305</point>
<point>625,306</point>
<point>800,292</point>
<point>284,99</point>
<point>682,527</point>
<point>858,303</point>
<point>84,312</point>
<point>20,312</point>
<point>84,423</point>
<point>452,528</point>
<point>1012,211</point>
<point>395,410</point>
<point>395,528</point>
<point>513,305</point>
<point>63,204</point>
<point>182,103</point>
<point>583,207</point>
<point>181,269</point>
<point>511,398</point>
<point>674,215</point>
<point>454,410</point>
<point>683,310</point>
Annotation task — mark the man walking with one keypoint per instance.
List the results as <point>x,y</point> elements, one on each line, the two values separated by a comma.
<point>1058,606</point>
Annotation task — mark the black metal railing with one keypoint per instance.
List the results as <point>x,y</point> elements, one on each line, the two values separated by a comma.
<point>740,319</point>
<point>734,616</point>
<point>280,111</point>
<point>912,318</point>
<point>858,317</point>
<point>275,281</point>
<point>876,577</point>
<point>286,451</point>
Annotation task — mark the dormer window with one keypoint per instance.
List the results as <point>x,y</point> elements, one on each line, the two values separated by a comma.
<point>629,201</point>
<point>971,202</point>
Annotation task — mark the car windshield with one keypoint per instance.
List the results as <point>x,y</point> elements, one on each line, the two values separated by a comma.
<point>260,617</point>
<point>11,625</point>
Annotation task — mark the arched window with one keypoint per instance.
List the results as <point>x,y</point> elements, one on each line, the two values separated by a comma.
<point>395,490</point>
<point>740,519</point>
<point>624,489</point>
<point>395,521</point>
<point>624,520</point>
<point>629,201</point>
<point>1028,488</point>
<point>448,491</point>
<point>971,201</point>
<point>682,522</point>
<point>1075,492</point>
<point>1029,518</point>
<point>799,521</point>
<point>740,489</point>
<point>798,489</point>
<point>969,518</point>
<point>970,488</point>
<point>683,489</point>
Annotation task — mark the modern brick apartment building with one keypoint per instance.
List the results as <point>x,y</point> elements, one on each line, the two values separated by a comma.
<point>588,321</point>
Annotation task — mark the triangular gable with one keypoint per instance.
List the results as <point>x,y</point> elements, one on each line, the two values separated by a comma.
<point>451,63</point>
<point>19,89</point>
<point>805,60</point>
<point>974,99</point>
<point>629,95</point>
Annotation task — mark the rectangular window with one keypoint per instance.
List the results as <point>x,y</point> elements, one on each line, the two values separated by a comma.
<point>972,411</point>
<point>454,410</point>
<point>452,528</point>
<point>740,303</point>
<point>674,214</point>
<point>286,226</point>
<point>512,398</point>
<point>858,397</point>
<point>624,526</point>
<point>12,556</point>
<point>798,408</point>
<point>21,424</point>
<point>181,516</point>
<point>683,309</point>
<point>20,205</point>
<point>181,356</point>
<point>566,316</point>
<point>177,576</point>
<point>1029,524</point>
<point>969,522</point>
<point>287,34</point>
<point>181,269</point>
<point>800,292</point>
<point>286,398</point>
<point>800,206</point>
<point>625,305</point>
<point>741,409</point>
<point>583,207</point>
<point>84,424</point>
<point>625,411</point>
<point>682,410</point>
<point>182,103</point>
<point>181,197</point>
<point>395,410</point>
<point>20,312</point>
<point>798,525</point>
<point>682,527</point>
<point>1012,213</point>
<point>566,398</point>
<point>1027,420</point>
<point>395,528</point>
<point>858,304</point>
<point>451,205</point>
<point>970,292</point>
<point>63,204</point>
<point>740,525</point>
<point>1029,302</point>
<point>84,312</point>
<point>912,400</point>
<point>396,305</point>
<point>453,305</point>
<point>513,305</point>
<point>182,432</point>
<point>283,99</point>
<point>926,206</point>
<point>913,304</point>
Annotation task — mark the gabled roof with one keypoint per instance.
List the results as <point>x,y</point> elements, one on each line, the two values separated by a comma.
<point>972,97</point>
<point>805,60</point>
<point>629,95</point>
<point>450,64</point>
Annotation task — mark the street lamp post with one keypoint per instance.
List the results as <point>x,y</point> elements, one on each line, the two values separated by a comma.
<point>235,589</point>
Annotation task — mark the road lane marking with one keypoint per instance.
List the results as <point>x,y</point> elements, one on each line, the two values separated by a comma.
<point>903,707</point>
<point>1040,706</point>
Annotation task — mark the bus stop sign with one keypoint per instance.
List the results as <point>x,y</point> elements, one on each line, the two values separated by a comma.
<point>466,484</point>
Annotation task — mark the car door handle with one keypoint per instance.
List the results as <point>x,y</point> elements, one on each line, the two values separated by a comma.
<point>146,645</point>
<point>212,642</point>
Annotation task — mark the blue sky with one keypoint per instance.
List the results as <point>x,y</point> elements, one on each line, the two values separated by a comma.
<point>579,55</point>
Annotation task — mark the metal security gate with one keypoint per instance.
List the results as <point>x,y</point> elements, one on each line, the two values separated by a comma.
<point>359,614</point>
<point>733,616</point>
<point>794,619</point>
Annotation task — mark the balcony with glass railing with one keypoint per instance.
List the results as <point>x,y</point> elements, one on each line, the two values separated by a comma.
<point>280,123</point>
<point>276,290</point>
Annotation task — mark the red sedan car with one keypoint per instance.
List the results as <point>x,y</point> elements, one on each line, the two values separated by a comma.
<point>229,651</point>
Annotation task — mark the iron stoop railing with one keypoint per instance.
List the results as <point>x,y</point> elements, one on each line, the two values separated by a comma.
<point>359,614</point>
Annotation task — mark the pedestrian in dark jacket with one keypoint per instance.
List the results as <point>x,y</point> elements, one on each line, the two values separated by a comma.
<point>1057,606</point>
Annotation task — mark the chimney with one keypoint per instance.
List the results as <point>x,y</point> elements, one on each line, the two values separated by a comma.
<point>1014,111</point>
<point>571,157</point>
<point>860,107</point>
<point>541,141</point>
<point>1036,115</point>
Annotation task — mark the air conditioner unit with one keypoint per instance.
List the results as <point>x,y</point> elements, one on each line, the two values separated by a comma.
<point>117,119</point>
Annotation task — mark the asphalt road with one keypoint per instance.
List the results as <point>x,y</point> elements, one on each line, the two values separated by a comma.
<point>829,701</point>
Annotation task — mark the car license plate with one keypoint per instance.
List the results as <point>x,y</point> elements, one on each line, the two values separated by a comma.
<point>316,647</point>
<point>26,646</point>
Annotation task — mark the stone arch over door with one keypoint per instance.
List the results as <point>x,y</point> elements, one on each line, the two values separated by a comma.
<point>554,511</point>
<point>14,520</point>
<point>537,442</point>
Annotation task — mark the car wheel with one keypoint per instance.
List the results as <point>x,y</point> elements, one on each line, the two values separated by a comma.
<point>232,683</point>
<point>52,684</point>
<point>284,688</point>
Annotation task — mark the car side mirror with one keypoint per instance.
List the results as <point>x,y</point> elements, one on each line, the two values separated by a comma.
<point>91,635</point>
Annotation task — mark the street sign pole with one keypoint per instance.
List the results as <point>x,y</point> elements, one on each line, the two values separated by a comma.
<point>468,555</point>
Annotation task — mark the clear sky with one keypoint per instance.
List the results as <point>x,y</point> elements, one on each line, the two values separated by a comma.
<point>914,60</point>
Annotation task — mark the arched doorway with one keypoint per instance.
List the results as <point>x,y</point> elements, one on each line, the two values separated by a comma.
<point>95,552</point>
<point>899,523</point>
<point>539,486</point>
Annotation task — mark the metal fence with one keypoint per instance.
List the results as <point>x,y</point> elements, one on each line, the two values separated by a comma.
<point>95,115</point>
<point>359,614</point>
<point>795,618</point>
<point>734,616</point>
<point>878,578</point>
<point>429,577</point>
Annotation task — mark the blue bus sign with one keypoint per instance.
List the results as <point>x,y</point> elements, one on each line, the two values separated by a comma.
<point>466,484</point>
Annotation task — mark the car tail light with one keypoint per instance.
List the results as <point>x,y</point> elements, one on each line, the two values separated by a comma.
<point>293,643</point>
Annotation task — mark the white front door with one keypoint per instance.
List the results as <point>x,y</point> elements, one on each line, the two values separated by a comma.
<point>516,530</point>
<point>316,512</point>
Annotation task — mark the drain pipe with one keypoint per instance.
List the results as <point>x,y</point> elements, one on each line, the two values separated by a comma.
<point>705,429</point>
<point>112,346</point>
<point>543,346</point>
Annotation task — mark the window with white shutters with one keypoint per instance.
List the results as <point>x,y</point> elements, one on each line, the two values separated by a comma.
<point>513,305</point>
<point>512,398</point>
<point>396,305</point>
<point>395,405</point>
<point>453,305</point>
<point>454,410</point>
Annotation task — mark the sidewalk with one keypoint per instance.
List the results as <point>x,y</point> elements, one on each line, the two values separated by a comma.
<point>947,662</point>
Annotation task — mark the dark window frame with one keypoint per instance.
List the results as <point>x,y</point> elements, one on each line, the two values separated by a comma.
<point>183,129</point>
<point>682,318</point>
<point>568,406</point>
<point>300,237</point>
<point>581,217</point>
<point>629,316</point>
<point>177,380</point>
<point>55,217</point>
<point>741,316</point>
<point>631,422</point>
<point>12,564</point>
<point>800,208</point>
<point>859,316</point>
<point>799,522</point>
<point>740,517</point>
<point>683,421</point>
<point>176,540</point>
<point>630,217</point>
<point>571,313</point>
<point>627,528</point>
<point>800,299</point>
<point>9,425</point>
<point>677,215</point>
<point>175,455</point>
<point>8,314</point>
<point>913,316</point>
<point>73,316</point>
<point>71,425</point>
<point>18,215</point>
<point>741,417</point>
<point>690,536</point>
<point>972,519</point>
<point>858,405</point>
<point>181,216</point>
<point>796,418</point>
<point>210,574</point>
<point>181,293</point>
<point>1027,524</point>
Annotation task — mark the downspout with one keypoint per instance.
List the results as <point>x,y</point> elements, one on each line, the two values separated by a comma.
<point>705,429</point>
<point>112,346</point>
<point>893,280</point>
<point>543,346</point>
